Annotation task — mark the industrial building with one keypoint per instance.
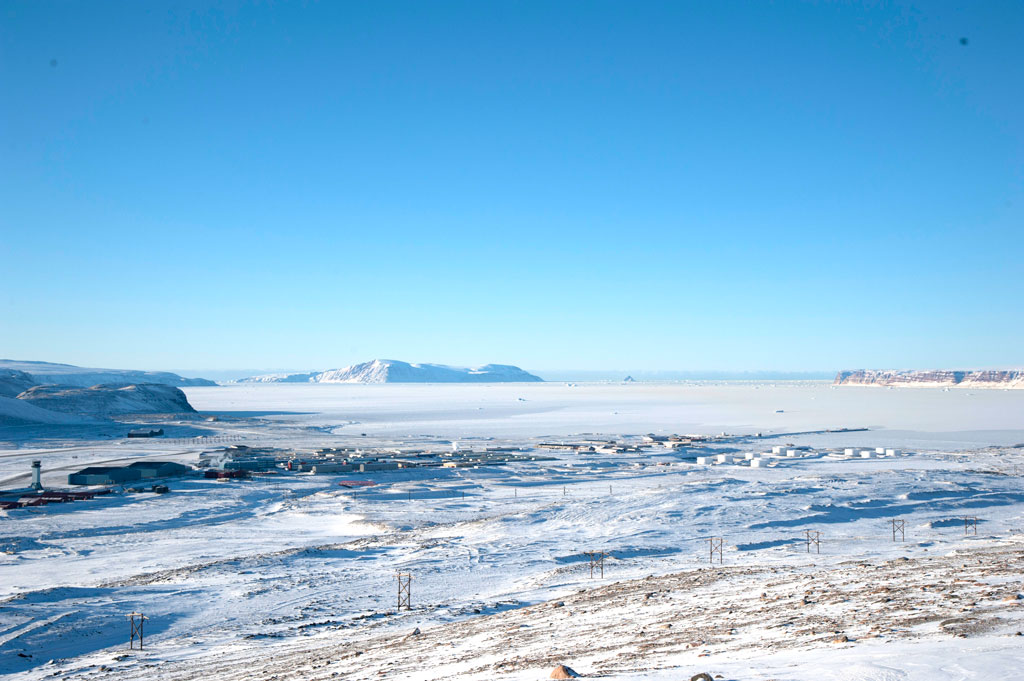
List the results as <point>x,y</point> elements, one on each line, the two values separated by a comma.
<point>21,500</point>
<point>225,475</point>
<point>159,469</point>
<point>146,432</point>
<point>245,458</point>
<point>115,475</point>
<point>104,475</point>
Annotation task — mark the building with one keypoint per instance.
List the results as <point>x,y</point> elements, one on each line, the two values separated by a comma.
<point>242,457</point>
<point>115,475</point>
<point>146,432</point>
<point>104,475</point>
<point>159,469</point>
<point>224,475</point>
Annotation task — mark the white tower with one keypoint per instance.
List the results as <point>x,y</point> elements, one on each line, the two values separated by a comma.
<point>36,471</point>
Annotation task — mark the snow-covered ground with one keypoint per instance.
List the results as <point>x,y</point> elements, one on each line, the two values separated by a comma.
<point>945,419</point>
<point>292,576</point>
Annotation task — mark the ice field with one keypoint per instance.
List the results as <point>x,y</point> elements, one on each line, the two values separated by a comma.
<point>293,576</point>
<point>949,419</point>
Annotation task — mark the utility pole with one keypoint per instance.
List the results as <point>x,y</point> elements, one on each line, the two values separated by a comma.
<point>899,525</point>
<point>404,590</point>
<point>714,546</point>
<point>135,622</point>
<point>596,561</point>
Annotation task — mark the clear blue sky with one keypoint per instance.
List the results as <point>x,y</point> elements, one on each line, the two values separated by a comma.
<point>679,185</point>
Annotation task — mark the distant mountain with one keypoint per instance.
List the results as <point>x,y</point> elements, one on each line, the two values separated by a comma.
<point>108,400</point>
<point>394,371</point>
<point>66,374</point>
<point>933,378</point>
<point>280,378</point>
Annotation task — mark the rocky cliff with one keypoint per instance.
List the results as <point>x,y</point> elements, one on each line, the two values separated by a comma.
<point>941,378</point>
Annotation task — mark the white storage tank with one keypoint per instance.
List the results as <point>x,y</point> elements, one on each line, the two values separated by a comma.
<point>703,460</point>
<point>849,451</point>
<point>790,452</point>
<point>879,450</point>
<point>890,452</point>
<point>777,449</point>
<point>866,454</point>
<point>724,458</point>
<point>757,463</point>
<point>748,456</point>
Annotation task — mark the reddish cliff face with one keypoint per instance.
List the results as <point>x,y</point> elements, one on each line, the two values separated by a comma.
<point>933,378</point>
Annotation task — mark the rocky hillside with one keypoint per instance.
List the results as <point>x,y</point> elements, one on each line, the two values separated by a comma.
<point>108,400</point>
<point>934,378</point>
<point>67,374</point>
<point>394,371</point>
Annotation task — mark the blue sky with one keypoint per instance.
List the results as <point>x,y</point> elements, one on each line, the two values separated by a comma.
<point>591,185</point>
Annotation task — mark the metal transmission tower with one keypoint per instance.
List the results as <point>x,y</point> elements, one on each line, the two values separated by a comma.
<point>404,590</point>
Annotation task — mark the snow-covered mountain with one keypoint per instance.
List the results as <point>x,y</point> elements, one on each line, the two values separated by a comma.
<point>933,378</point>
<point>107,400</point>
<point>394,371</point>
<point>67,374</point>
<point>280,378</point>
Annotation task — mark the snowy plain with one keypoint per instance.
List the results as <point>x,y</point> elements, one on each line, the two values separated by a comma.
<point>952,419</point>
<point>292,576</point>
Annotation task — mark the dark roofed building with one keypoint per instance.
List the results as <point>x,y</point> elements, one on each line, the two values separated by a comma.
<point>159,469</point>
<point>146,432</point>
<point>103,475</point>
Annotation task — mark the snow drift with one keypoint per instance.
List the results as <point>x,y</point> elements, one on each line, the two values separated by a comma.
<point>14,382</point>
<point>14,412</point>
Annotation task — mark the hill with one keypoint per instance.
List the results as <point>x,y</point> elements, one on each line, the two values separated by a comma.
<point>15,412</point>
<point>68,374</point>
<point>395,371</point>
<point>106,400</point>
<point>14,382</point>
